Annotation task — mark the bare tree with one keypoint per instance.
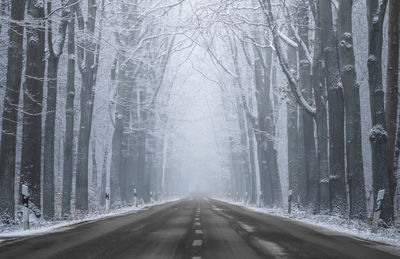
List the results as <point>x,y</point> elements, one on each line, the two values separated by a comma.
<point>33,97</point>
<point>10,110</point>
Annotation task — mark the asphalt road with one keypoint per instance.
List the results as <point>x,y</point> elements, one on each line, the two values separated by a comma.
<point>195,228</point>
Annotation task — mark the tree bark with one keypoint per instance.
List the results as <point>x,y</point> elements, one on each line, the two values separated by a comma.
<point>321,199</point>
<point>392,90</point>
<point>351,89</point>
<point>292,131</point>
<point>55,52</point>
<point>378,135</point>
<point>310,178</point>
<point>33,97</point>
<point>337,182</point>
<point>88,58</point>
<point>69,122</point>
<point>10,110</point>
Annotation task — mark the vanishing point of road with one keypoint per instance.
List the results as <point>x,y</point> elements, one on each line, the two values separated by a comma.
<point>195,228</point>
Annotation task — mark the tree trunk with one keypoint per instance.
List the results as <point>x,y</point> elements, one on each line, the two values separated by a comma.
<point>311,178</point>
<point>49,131</point>
<point>319,86</point>
<point>10,110</point>
<point>378,136</point>
<point>337,181</point>
<point>88,71</point>
<point>33,97</point>
<point>55,50</point>
<point>260,135</point>
<point>292,132</point>
<point>270,136</point>
<point>351,89</point>
<point>69,123</point>
<point>116,151</point>
<point>392,90</point>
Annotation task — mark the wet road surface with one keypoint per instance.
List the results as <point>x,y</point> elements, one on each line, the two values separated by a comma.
<point>195,228</point>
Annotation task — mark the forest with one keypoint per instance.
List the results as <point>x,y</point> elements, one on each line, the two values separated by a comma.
<point>260,101</point>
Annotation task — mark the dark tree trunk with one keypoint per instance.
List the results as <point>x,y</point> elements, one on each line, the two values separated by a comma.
<point>49,131</point>
<point>311,178</point>
<point>69,123</point>
<point>89,57</point>
<point>319,86</point>
<point>55,51</point>
<point>292,132</point>
<point>337,181</point>
<point>351,90</point>
<point>392,89</point>
<point>378,135</point>
<point>104,178</point>
<point>10,110</point>
<point>33,97</point>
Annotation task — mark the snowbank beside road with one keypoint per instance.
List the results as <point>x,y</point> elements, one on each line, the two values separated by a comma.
<point>337,224</point>
<point>39,227</point>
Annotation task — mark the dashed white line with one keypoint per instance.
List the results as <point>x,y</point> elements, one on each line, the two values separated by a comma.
<point>196,257</point>
<point>197,242</point>
<point>196,218</point>
<point>197,223</point>
<point>198,231</point>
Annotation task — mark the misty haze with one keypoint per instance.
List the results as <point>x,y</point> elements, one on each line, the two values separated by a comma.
<point>199,129</point>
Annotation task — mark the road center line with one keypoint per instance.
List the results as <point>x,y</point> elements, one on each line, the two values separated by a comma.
<point>197,242</point>
<point>198,231</point>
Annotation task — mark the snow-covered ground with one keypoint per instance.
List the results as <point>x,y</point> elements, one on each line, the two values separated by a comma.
<point>38,227</point>
<point>324,222</point>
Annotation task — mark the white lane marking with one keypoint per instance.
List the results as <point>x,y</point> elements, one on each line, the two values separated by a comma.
<point>196,257</point>
<point>246,227</point>
<point>272,248</point>
<point>197,223</point>
<point>197,219</point>
<point>197,231</point>
<point>197,242</point>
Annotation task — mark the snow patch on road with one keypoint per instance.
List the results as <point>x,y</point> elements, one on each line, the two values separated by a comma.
<point>338,224</point>
<point>271,248</point>
<point>246,227</point>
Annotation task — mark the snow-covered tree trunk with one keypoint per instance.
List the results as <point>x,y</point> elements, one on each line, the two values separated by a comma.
<point>337,181</point>
<point>10,109</point>
<point>33,97</point>
<point>392,89</point>
<point>55,50</point>
<point>351,91</point>
<point>378,136</point>
<point>87,55</point>
<point>292,130</point>
<point>310,178</point>
<point>69,121</point>
<point>321,199</point>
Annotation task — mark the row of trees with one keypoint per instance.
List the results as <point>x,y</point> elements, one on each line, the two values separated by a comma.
<point>312,44</point>
<point>116,55</point>
<point>55,50</point>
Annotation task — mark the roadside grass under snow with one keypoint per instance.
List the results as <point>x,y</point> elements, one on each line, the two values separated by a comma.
<point>338,224</point>
<point>40,226</point>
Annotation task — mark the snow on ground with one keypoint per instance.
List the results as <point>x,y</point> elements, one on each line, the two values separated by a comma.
<point>39,227</point>
<point>325,222</point>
